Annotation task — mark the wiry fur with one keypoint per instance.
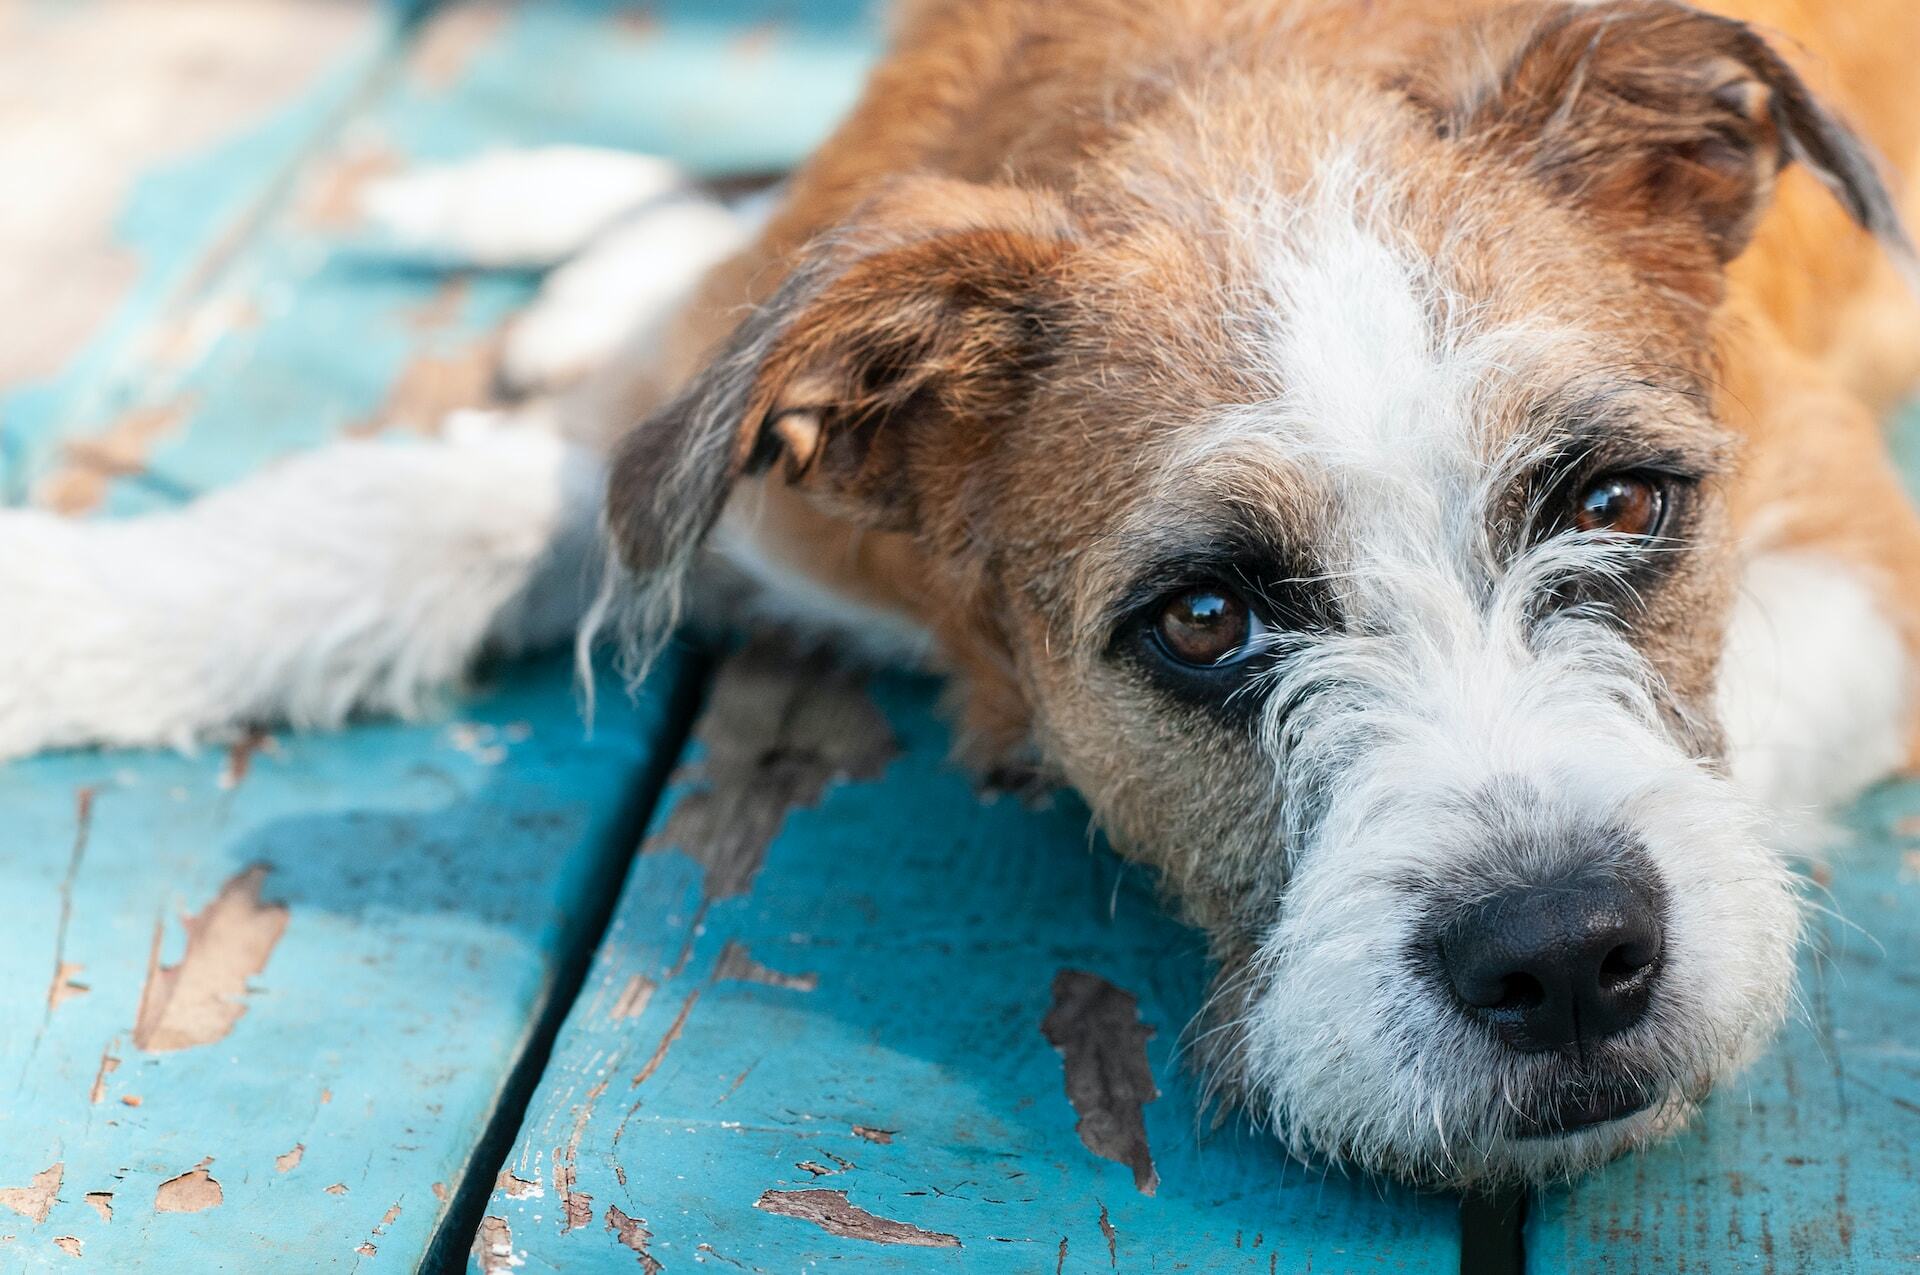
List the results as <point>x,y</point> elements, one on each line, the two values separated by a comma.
<point>1332,298</point>
<point>1460,732</point>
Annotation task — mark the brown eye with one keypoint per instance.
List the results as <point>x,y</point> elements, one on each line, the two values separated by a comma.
<point>1620,505</point>
<point>1205,626</point>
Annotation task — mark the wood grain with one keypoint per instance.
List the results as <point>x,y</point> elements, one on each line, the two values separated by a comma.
<point>899,1065</point>
<point>362,935</point>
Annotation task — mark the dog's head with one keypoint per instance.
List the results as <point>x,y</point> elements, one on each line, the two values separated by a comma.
<point>1333,470</point>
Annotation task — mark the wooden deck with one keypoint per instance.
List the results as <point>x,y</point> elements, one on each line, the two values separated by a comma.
<point>751,978</point>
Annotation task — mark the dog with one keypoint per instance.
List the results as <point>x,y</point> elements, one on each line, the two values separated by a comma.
<point>1414,468</point>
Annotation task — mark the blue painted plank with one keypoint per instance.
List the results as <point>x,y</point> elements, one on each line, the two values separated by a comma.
<point>433,878</point>
<point>184,221</point>
<point>725,88</point>
<point>1808,1163</point>
<point>393,904</point>
<point>864,1014</point>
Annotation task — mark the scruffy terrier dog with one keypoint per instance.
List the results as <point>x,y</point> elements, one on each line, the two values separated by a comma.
<point>1413,467</point>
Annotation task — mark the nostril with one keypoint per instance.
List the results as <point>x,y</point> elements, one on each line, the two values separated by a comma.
<point>1519,992</point>
<point>1625,963</point>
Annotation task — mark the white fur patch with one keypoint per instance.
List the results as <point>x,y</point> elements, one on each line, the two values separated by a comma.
<point>628,279</point>
<point>1815,692</point>
<point>517,209</point>
<point>361,576</point>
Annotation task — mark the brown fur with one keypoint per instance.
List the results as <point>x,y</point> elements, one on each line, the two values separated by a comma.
<point>1021,91</point>
<point>990,311</point>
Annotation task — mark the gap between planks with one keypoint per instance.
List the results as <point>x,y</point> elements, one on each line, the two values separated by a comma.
<point>1493,1233</point>
<point>452,1242</point>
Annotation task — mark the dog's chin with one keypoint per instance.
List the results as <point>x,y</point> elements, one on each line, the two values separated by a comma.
<point>1559,1140</point>
<point>1534,1156</point>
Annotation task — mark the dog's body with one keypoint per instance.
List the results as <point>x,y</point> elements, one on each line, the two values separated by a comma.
<point>1405,464</point>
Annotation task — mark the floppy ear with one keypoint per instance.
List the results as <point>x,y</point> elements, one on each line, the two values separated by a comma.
<point>1667,122</point>
<point>898,347</point>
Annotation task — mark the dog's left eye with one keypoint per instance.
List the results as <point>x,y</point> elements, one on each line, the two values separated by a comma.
<point>1620,505</point>
<point>1207,627</point>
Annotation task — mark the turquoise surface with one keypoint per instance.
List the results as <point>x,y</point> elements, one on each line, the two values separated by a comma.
<point>435,880</point>
<point>920,931</point>
<point>444,881</point>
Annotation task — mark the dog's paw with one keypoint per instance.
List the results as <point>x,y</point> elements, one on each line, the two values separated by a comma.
<point>523,209</point>
<point>627,281</point>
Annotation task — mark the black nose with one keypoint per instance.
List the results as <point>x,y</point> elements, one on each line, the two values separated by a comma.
<point>1553,965</point>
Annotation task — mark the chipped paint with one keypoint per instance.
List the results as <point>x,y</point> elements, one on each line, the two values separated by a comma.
<point>433,386</point>
<point>1112,1237</point>
<point>1103,1049</point>
<point>392,1216</point>
<point>441,1193</point>
<point>832,1213</point>
<point>108,1065</point>
<point>871,1134</point>
<point>71,1245</point>
<point>288,1161</point>
<point>332,200</point>
<point>673,1031</point>
<point>367,1250</point>
<point>65,986</point>
<point>633,1233</point>
<point>736,964</point>
<point>777,731</point>
<point>338,1188</point>
<point>493,1247</point>
<point>35,1200</point>
<point>634,997</point>
<point>515,1187</point>
<point>101,1202</point>
<point>199,1000</point>
<point>89,465</point>
<point>449,45</point>
<point>194,1191</point>
<point>576,1207</point>
<point>240,757</point>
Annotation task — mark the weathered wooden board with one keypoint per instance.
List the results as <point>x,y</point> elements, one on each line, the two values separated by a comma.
<point>219,372</point>
<point>410,895</point>
<point>837,1015</point>
<point>263,1003</point>
<point>147,142</point>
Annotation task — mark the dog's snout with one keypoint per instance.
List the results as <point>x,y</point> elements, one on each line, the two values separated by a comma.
<point>1556,965</point>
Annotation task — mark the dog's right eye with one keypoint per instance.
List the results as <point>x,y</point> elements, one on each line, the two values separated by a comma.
<point>1207,627</point>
